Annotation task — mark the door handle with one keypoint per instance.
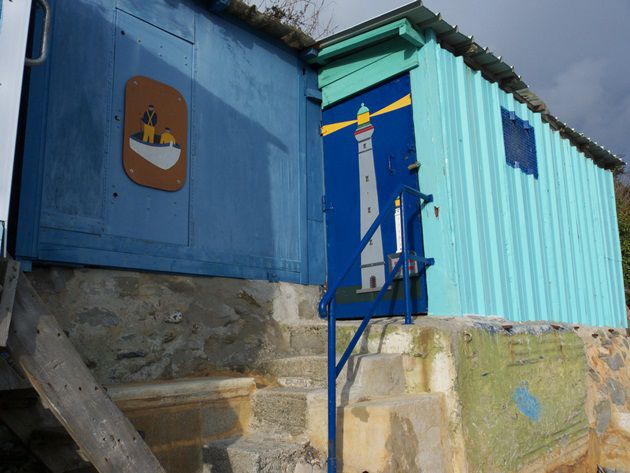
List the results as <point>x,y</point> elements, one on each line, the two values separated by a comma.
<point>43,54</point>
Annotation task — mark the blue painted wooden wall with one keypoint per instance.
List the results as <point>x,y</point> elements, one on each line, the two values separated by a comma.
<point>251,205</point>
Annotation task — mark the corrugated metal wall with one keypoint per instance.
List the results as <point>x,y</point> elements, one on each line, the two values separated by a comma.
<point>505,243</point>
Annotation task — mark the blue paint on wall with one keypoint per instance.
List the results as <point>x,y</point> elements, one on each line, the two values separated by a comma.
<point>251,204</point>
<point>527,403</point>
<point>393,147</point>
<point>520,143</point>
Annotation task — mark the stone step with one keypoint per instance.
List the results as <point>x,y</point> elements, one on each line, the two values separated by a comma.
<point>185,391</point>
<point>301,411</point>
<point>288,411</point>
<point>364,375</point>
<point>298,371</point>
<point>372,375</point>
<point>307,339</point>
<point>405,434</point>
<point>298,382</point>
<point>255,454</point>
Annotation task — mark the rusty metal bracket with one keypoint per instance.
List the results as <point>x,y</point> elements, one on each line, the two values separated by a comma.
<point>9,272</point>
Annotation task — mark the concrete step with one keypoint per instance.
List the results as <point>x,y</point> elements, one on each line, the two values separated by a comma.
<point>298,371</point>
<point>364,376</point>
<point>405,434</point>
<point>288,411</point>
<point>307,339</point>
<point>372,375</point>
<point>255,454</point>
<point>179,392</point>
<point>301,411</point>
<point>176,418</point>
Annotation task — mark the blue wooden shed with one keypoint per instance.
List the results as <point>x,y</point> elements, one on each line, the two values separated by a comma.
<point>516,217</point>
<point>248,191</point>
<point>522,222</point>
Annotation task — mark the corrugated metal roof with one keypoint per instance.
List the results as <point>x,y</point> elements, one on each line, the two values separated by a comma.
<point>491,66</point>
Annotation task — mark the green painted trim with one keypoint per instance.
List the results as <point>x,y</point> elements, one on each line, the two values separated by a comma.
<point>372,66</point>
<point>401,28</point>
<point>350,64</point>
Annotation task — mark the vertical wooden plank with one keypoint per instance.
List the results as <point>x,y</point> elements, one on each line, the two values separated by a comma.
<point>9,271</point>
<point>60,377</point>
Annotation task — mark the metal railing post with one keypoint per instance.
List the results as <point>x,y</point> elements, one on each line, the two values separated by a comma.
<point>405,257</point>
<point>326,307</point>
<point>332,388</point>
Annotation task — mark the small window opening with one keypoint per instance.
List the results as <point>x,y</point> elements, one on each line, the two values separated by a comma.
<point>520,143</point>
<point>372,282</point>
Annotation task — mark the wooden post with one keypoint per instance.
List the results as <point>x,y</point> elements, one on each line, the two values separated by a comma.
<point>64,383</point>
<point>9,272</point>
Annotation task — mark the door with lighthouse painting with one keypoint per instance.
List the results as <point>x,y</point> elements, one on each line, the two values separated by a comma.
<point>368,148</point>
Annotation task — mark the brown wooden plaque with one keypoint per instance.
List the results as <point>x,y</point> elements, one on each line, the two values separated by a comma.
<point>156,130</point>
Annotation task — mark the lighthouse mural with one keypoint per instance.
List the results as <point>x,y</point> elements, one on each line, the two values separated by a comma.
<point>369,145</point>
<point>372,260</point>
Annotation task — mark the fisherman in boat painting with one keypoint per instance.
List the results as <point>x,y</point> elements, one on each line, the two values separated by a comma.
<point>160,150</point>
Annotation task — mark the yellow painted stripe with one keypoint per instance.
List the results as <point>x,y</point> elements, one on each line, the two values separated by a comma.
<point>398,104</point>
<point>333,127</point>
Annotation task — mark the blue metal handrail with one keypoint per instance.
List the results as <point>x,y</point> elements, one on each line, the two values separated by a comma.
<point>327,307</point>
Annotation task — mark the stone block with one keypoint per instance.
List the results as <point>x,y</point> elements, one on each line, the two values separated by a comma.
<point>251,455</point>
<point>402,434</point>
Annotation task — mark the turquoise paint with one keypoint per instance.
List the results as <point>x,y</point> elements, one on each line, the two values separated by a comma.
<point>348,76</point>
<point>527,403</point>
<point>505,243</point>
<point>401,28</point>
<point>361,62</point>
<point>430,128</point>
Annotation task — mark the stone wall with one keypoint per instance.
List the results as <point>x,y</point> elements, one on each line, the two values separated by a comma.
<point>527,398</point>
<point>608,396</point>
<point>133,326</point>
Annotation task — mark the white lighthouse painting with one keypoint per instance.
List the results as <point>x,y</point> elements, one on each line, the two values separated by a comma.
<point>369,140</point>
<point>372,260</point>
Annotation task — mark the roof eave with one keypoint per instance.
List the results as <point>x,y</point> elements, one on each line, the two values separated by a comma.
<point>478,58</point>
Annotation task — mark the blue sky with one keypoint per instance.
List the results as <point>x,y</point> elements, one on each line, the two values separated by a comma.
<point>575,54</point>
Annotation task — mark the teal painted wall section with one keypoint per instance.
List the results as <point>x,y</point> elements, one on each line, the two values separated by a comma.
<point>505,243</point>
<point>380,55</point>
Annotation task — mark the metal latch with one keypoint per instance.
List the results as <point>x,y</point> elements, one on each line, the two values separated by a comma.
<point>326,206</point>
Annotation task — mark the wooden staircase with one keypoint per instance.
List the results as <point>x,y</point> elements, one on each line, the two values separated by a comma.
<point>50,399</point>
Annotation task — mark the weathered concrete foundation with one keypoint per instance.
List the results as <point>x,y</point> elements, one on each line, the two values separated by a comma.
<point>133,326</point>
<point>465,394</point>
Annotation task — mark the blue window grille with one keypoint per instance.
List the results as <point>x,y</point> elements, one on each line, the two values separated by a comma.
<point>520,143</point>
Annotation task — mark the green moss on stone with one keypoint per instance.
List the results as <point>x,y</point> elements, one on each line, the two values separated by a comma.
<point>550,366</point>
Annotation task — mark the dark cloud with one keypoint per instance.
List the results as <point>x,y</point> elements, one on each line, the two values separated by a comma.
<point>572,53</point>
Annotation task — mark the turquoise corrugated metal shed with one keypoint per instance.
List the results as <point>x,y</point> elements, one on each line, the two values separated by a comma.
<point>509,244</point>
<point>524,246</point>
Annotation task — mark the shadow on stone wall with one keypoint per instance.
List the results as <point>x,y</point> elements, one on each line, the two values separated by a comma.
<point>132,326</point>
